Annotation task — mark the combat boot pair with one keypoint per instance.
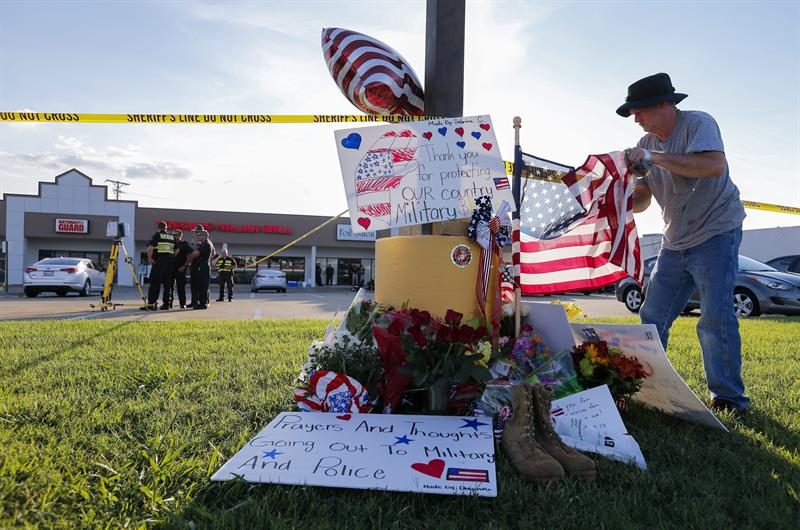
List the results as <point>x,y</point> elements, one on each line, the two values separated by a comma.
<point>533,446</point>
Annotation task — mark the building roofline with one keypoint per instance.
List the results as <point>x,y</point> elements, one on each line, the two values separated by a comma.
<point>55,183</point>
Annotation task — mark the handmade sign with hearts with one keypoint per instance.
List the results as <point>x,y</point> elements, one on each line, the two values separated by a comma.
<point>449,455</point>
<point>420,172</point>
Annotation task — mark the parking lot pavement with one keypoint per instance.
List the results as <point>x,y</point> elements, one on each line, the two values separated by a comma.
<point>296,303</point>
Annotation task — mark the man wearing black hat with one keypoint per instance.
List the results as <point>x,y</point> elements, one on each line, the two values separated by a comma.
<point>683,163</point>
<point>160,254</point>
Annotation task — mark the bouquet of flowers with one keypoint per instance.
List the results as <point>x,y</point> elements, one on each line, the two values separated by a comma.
<point>437,348</point>
<point>600,365</point>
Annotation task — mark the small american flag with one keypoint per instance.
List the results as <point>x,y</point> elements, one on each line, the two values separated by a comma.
<point>467,475</point>
<point>507,285</point>
<point>501,183</point>
<point>576,229</point>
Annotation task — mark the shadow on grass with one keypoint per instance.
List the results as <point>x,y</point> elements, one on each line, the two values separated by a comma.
<point>697,477</point>
<point>47,357</point>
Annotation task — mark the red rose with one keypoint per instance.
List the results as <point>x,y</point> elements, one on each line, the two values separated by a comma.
<point>466,334</point>
<point>453,317</point>
<point>395,328</point>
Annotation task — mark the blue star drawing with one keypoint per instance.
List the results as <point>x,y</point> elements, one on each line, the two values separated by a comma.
<point>403,440</point>
<point>271,454</point>
<point>471,423</point>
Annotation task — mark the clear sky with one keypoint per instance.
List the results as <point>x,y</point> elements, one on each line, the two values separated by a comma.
<point>564,67</point>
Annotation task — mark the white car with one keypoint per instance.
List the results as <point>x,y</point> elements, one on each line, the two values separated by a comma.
<point>62,275</point>
<point>268,279</point>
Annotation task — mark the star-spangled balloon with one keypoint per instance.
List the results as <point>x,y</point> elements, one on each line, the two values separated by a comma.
<point>371,75</point>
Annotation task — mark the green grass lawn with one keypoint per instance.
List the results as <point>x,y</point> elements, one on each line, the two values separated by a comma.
<point>106,424</point>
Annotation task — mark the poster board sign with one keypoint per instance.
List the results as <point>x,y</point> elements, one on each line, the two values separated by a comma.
<point>664,389</point>
<point>447,455</point>
<point>420,172</point>
<point>589,421</point>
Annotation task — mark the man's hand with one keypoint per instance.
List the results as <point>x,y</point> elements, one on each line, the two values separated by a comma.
<point>182,268</point>
<point>634,155</point>
<point>151,261</point>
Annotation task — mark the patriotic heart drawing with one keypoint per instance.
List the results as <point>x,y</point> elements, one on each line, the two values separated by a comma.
<point>364,222</point>
<point>476,135</point>
<point>484,126</point>
<point>353,141</point>
<point>459,131</point>
<point>442,130</point>
<point>434,468</point>
<point>427,135</point>
<point>486,146</point>
<point>461,144</point>
<point>345,417</point>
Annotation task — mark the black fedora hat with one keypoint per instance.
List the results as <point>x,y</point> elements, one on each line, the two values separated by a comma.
<point>648,92</point>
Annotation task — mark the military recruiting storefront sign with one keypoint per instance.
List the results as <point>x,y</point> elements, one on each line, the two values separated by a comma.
<point>72,226</point>
<point>448,455</point>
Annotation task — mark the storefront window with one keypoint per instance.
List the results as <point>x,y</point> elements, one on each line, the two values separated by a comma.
<point>327,271</point>
<point>98,258</point>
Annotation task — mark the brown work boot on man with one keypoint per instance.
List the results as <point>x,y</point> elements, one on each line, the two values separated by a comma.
<point>575,464</point>
<point>518,440</point>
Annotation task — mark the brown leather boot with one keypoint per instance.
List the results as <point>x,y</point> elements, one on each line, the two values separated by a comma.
<point>518,440</point>
<point>575,463</point>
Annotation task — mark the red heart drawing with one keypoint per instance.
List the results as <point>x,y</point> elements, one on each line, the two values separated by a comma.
<point>427,135</point>
<point>485,146</point>
<point>434,468</point>
<point>345,417</point>
<point>460,131</point>
<point>365,222</point>
<point>484,126</point>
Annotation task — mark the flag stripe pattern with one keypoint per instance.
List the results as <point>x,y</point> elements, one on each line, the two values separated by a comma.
<point>578,233</point>
<point>382,169</point>
<point>372,75</point>
<point>467,475</point>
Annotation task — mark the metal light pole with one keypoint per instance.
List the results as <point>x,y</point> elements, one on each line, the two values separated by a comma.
<point>444,63</point>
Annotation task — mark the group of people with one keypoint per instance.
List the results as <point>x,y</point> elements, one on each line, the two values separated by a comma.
<point>356,275</point>
<point>170,257</point>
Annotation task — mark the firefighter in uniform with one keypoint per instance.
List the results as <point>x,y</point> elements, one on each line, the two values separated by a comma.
<point>182,251</point>
<point>200,267</point>
<point>160,255</point>
<point>225,266</point>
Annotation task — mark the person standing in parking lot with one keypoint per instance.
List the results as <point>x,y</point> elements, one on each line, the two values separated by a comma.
<point>160,254</point>
<point>225,266</point>
<point>200,267</point>
<point>329,274</point>
<point>182,251</point>
<point>685,169</point>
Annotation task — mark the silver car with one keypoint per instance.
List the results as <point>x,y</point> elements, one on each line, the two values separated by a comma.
<point>759,289</point>
<point>62,275</point>
<point>268,279</point>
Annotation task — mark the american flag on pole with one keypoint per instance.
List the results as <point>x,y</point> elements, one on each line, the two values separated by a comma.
<point>576,229</point>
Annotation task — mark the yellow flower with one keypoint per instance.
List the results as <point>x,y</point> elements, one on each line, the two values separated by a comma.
<point>594,355</point>
<point>485,349</point>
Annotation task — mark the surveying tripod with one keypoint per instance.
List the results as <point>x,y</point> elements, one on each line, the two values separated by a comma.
<point>108,287</point>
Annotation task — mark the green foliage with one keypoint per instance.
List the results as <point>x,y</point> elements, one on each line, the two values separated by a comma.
<point>121,424</point>
<point>356,358</point>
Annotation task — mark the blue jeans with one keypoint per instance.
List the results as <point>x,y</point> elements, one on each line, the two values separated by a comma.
<point>710,267</point>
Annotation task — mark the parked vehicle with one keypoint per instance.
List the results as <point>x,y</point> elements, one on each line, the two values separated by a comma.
<point>760,289</point>
<point>62,275</point>
<point>269,279</point>
<point>786,263</point>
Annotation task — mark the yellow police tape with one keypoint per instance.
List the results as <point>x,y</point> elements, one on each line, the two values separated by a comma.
<point>61,117</point>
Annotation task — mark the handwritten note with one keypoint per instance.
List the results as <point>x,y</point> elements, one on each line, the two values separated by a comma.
<point>426,454</point>
<point>420,172</point>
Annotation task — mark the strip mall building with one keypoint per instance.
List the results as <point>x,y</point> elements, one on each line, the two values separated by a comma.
<point>68,217</point>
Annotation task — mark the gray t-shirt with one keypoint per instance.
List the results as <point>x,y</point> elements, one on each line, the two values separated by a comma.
<point>694,209</point>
